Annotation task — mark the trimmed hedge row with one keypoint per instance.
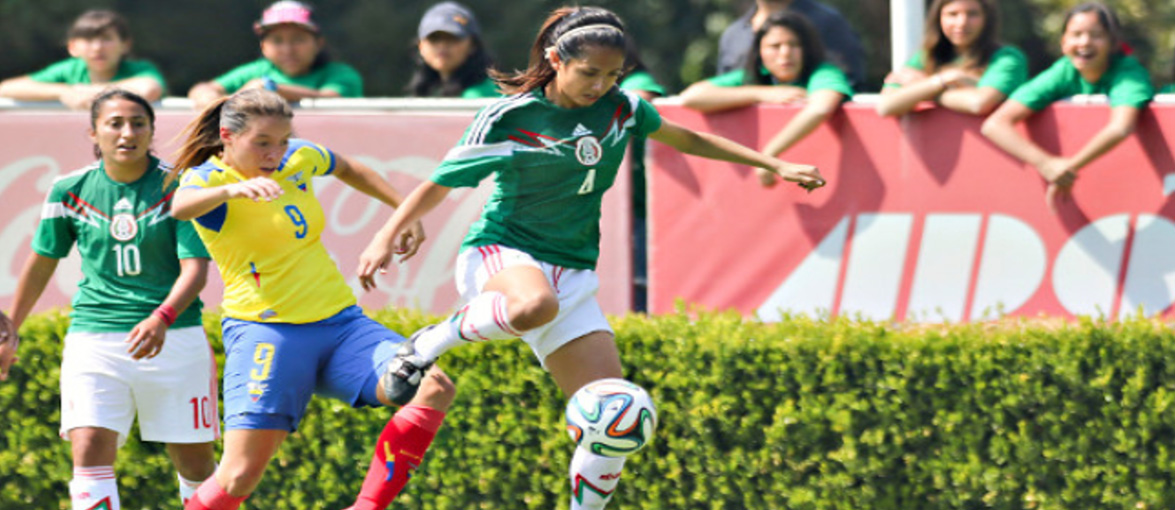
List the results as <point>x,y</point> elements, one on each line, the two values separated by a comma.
<point>802,414</point>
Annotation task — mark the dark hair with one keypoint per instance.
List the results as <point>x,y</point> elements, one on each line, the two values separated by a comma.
<point>427,82</point>
<point>1105,17</point>
<point>112,94</point>
<point>93,23</point>
<point>202,135</point>
<point>566,32</point>
<point>810,45</point>
<point>939,51</point>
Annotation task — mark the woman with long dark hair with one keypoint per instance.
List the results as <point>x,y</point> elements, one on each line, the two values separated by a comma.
<point>527,267</point>
<point>135,344</point>
<point>452,60</point>
<point>786,65</point>
<point>1094,61</point>
<point>962,64</point>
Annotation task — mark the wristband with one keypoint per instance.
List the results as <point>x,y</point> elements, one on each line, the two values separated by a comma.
<point>267,83</point>
<point>166,313</point>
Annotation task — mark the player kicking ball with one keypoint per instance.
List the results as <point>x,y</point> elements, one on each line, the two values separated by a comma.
<point>527,269</point>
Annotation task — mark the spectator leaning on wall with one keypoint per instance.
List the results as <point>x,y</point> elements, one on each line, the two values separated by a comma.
<point>784,65</point>
<point>294,62</point>
<point>843,45</point>
<point>962,64</point>
<point>99,44</point>
<point>1095,61</point>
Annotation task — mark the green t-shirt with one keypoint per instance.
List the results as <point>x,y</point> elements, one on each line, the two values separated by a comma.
<point>642,80</point>
<point>552,166</point>
<point>73,71</point>
<point>826,76</point>
<point>1126,82</point>
<point>1169,89</point>
<point>129,244</point>
<point>1005,72</point>
<point>335,76</point>
<point>487,88</point>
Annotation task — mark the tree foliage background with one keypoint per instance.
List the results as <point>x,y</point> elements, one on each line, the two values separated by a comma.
<point>193,41</point>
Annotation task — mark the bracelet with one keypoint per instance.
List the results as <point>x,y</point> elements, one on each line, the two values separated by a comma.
<point>166,313</point>
<point>267,83</point>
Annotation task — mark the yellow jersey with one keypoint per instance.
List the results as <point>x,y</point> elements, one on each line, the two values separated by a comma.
<point>270,254</point>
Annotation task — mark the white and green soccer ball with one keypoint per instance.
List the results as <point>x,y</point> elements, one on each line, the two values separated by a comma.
<point>611,417</point>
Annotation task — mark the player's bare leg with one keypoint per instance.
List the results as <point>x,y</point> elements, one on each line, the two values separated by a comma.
<point>247,452</point>
<point>94,450</point>
<point>588,358</point>
<point>194,463</point>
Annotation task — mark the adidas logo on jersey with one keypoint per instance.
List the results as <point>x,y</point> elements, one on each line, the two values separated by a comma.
<point>123,205</point>
<point>580,130</point>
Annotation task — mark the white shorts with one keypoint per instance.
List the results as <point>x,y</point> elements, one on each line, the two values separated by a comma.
<point>579,313</point>
<point>173,393</point>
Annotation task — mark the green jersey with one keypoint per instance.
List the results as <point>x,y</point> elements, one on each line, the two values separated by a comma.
<point>1126,82</point>
<point>1006,71</point>
<point>825,77</point>
<point>335,76</point>
<point>129,244</point>
<point>1169,89</point>
<point>642,80</point>
<point>552,166</point>
<point>73,71</point>
<point>487,88</point>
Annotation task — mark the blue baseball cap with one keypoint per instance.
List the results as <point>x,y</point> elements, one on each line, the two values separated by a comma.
<point>449,17</point>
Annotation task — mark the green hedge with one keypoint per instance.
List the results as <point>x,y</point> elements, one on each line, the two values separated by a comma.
<point>802,414</point>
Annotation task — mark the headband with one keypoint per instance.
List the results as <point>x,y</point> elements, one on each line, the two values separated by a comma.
<point>584,28</point>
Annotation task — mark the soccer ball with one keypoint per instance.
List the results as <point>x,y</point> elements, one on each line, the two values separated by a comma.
<point>611,417</point>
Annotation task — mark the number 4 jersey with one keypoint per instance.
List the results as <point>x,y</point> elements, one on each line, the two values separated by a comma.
<point>552,166</point>
<point>274,265</point>
<point>129,244</point>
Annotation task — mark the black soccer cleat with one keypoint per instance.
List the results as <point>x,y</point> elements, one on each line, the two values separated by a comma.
<point>405,371</point>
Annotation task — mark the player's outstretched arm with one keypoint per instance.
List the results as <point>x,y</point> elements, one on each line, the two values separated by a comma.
<point>712,146</point>
<point>379,252</point>
<point>363,178</point>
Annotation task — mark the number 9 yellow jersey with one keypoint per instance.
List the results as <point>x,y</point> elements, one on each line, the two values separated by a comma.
<point>270,254</point>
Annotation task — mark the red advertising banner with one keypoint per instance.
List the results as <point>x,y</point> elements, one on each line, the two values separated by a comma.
<point>403,146</point>
<point>923,219</point>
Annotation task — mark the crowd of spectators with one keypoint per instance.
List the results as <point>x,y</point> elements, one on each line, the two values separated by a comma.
<point>801,52</point>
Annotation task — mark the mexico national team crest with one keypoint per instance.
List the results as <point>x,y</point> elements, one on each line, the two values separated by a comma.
<point>588,150</point>
<point>123,227</point>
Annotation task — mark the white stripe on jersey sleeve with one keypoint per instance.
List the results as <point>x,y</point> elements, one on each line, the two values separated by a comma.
<point>52,210</point>
<point>486,118</point>
<point>479,151</point>
<point>634,101</point>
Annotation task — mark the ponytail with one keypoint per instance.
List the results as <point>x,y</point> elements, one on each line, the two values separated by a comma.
<point>202,135</point>
<point>566,32</point>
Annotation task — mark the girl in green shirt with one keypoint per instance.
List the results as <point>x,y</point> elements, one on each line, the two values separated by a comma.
<point>452,60</point>
<point>98,43</point>
<point>1094,62</point>
<point>294,62</point>
<point>786,66</point>
<point>961,66</point>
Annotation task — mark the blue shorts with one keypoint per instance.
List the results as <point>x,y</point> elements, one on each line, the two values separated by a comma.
<point>272,369</point>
